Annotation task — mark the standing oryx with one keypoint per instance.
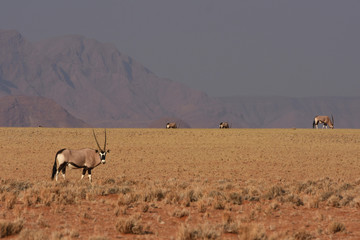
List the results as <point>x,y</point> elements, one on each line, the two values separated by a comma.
<point>325,120</point>
<point>85,158</point>
<point>171,125</point>
<point>224,125</point>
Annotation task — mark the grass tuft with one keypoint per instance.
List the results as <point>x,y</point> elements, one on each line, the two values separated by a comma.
<point>131,225</point>
<point>8,228</point>
<point>335,227</point>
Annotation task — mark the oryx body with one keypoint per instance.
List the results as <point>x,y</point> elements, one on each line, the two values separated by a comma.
<point>171,125</point>
<point>224,125</point>
<point>325,120</point>
<point>85,158</point>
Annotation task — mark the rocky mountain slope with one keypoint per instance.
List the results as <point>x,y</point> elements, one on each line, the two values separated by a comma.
<point>95,82</point>
<point>24,111</point>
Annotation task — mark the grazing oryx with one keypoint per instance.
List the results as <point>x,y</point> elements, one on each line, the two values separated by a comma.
<point>171,125</point>
<point>325,120</point>
<point>224,125</point>
<point>85,158</point>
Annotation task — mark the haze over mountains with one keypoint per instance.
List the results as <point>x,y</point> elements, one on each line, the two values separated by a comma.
<point>94,82</point>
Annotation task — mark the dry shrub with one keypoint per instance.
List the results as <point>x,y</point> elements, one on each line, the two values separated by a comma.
<point>41,221</point>
<point>296,200</point>
<point>202,206</point>
<point>303,235</point>
<point>355,202</point>
<point>235,198</point>
<point>179,213</point>
<point>314,203</point>
<point>308,187</point>
<point>68,197</point>
<point>127,199</point>
<point>334,201</point>
<point>326,195</point>
<point>335,227</point>
<point>204,231</point>
<point>10,200</point>
<point>346,187</point>
<point>109,181</point>
<point>347,200</point>
<point>28,234</point>
<point>219,204</point>
<point>194,195</point>
<point>157,194</point>
<point>252,232</point>
<point>14,186</point>
<point>8,228</point>
<point>31,197</point>
<point>132,225</point>
<point>229,224</point>
<point>120,211</point>
<point>274,192</point>
<point>98,238</point>
<point>251,193</point>
<point>174,196</point>
<point>145,208</point>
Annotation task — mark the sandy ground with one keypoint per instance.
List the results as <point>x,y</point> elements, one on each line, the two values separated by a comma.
<point>202,160</point>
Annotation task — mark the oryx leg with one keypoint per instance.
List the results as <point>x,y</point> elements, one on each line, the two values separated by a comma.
<point>62,169</point>
<point>63,172</point>
<point>89,174</point>
<point>83,173</point>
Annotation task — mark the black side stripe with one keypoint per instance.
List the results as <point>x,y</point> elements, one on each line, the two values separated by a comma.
<point>75,165</point>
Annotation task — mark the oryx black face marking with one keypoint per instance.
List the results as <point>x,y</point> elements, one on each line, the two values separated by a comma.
<point>102,156</point>
<point>85,158</point>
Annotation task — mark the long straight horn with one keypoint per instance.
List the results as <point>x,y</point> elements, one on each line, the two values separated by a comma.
<point>105,141</point>
<point>97,141</point>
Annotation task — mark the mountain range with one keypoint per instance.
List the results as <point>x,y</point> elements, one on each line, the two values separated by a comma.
<point>93,84</point>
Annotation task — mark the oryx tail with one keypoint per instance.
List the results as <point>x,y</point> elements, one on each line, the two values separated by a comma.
<point>54,166</point>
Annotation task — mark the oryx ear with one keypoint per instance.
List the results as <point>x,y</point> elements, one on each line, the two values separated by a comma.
<point>96,151</point>
<point>108,151</point>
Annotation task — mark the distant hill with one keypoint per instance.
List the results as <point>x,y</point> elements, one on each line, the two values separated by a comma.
<point>287,112</point>
<point>24,111</point>
<point>95,82</point>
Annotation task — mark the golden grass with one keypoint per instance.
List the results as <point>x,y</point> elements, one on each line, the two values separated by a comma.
<point>192,183</point>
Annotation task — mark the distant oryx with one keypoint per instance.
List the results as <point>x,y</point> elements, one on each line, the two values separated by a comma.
<point>325,120</point>
<point>171,125</point>
<point>85,158</point>
<point>224,125</point>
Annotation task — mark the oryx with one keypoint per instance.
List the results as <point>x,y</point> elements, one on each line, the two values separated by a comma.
<point>224,125</point>
<point>325,120</point>
<point>171,125</point>
<point>85,158</point>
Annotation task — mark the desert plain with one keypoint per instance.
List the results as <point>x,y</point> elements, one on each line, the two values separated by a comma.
<point>183,184</point>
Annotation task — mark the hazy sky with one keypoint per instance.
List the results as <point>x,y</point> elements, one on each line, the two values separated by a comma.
<point>229,47</point>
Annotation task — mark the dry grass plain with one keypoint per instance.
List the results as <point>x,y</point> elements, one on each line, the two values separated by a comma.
<point>184,184</point>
